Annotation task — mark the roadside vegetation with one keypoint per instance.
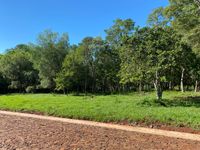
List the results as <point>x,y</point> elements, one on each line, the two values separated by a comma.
<point>179,109</point>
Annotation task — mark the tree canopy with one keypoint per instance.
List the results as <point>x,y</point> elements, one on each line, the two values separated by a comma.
<point>164,55</point>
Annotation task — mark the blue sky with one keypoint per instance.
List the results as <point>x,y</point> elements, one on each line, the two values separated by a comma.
<point>22,20</point>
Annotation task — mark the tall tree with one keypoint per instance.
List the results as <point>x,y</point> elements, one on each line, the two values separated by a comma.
<point>116,36</point>
<point>70,76</point>
<point>19,72</point>
<point>147,56</point>
<point>186,20</point>
<point>48,56</point>
<point>132,55</point>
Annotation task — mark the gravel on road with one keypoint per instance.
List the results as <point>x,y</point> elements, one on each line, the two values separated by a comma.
<point>30,133</point>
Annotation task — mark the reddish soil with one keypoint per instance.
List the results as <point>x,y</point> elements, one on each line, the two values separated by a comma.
<point>28,133</point>
<point>158,125</point>
<point>153,125</point>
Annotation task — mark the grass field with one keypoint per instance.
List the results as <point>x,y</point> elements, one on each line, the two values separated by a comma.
<point>177,108</point>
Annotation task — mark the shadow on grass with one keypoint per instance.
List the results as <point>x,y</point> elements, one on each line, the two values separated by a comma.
<point>189,101</point>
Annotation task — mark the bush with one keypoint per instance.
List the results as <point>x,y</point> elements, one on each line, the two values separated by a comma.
<point>30,89</point>
<point>146,102</point>
<point>15,85</point>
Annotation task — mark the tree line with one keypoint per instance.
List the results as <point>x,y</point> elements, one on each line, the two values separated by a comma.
<point>163,56</point>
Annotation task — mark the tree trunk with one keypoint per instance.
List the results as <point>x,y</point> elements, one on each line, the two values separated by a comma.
<point>93,80</point>
<point>77,90</point>
<point>196,86</point>
<point>140,86</point>
<point>85,86</point>
<point>182,77</point>
<point>170,85</point>
<point>158,87</point>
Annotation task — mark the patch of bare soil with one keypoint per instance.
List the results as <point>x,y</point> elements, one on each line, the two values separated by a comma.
<point>29,133</point>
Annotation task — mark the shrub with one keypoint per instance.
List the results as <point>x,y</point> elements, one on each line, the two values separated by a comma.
<point>30,89</point>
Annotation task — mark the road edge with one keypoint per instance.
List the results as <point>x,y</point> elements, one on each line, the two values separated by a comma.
<point>159,132</point>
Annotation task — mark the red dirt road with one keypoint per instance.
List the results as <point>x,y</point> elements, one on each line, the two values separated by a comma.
<point>29,133</point>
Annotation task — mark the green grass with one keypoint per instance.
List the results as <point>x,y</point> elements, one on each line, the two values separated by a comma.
<point>178,108</point>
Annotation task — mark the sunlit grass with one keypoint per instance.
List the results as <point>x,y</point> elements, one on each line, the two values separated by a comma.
<point>181,108</point>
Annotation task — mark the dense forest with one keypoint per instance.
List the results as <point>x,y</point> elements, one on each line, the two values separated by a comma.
<point>164,55</point>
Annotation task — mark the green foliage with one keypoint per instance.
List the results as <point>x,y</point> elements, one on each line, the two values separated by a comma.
<point>49,55</point>
<point>185,16</point>
<point>106,70</point>
<point>158,18</point>
<point>121,29</point>
<point>69,73</point>
<point>148,50</point>
<point>3,84</point>
<point>164,55</point>
<point>18,69</point>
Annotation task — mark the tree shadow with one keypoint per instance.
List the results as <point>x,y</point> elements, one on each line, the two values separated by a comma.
<point>190,101</point>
